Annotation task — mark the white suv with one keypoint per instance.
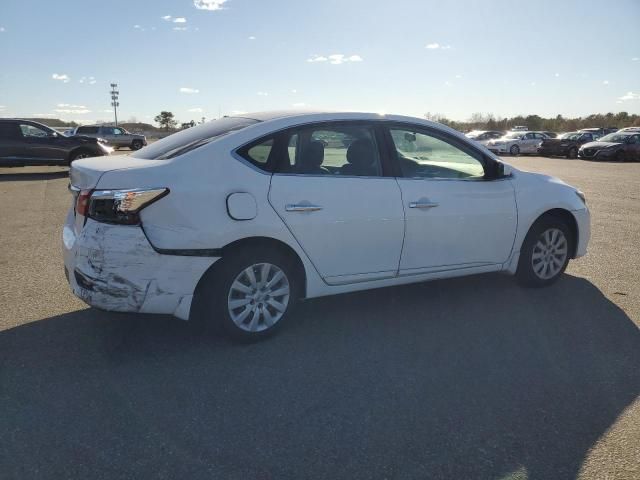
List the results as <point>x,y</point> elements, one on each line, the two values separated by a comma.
<point>234,220</point>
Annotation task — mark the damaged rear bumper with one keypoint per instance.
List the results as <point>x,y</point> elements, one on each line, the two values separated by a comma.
<point>114,268</point>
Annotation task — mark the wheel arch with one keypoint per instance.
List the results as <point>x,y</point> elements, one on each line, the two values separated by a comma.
<point>79,148</point>
<point>567,217</point>
<point>255,243</point>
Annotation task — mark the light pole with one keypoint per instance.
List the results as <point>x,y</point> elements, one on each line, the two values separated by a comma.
<point>114,101</point>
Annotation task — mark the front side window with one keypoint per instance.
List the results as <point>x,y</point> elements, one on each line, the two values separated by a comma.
<point>339,149</point>
<point>118,131</point>
<point>30,131</point>
<point>421,155</point>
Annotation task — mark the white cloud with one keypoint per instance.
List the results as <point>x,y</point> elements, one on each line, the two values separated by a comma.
<point>195,110</point>
<point>180,20</point>
<point>189,90</point>
<point>317,58</point>
<point>605,82</point>
<point>210,5</point>
<point>2,29</point>
<point>238,112</point>
<point>252,37</point>
<point>138,27</point>
<point>89,80</point>
<point>2,107</point>
<point>629,96</point>
<point>335,58</point>
<point>62,77</point>
<point>556,75</point>
<point>72,110</point>
<point>635,59</point>
<point>166,17</point>
<point>43,115</point>
<point>299,105</point>
<point>294,91</point>
<point>262,94</point>
<point>458,76</point>
<point>68,105</point>
<point>180,29</point>
<point>437,46</point>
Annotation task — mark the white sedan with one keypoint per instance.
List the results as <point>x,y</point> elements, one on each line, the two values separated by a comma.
<point>233,221</point>
<point>517,142</point>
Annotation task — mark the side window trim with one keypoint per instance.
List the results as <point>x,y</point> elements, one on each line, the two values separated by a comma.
<point>488,164</point>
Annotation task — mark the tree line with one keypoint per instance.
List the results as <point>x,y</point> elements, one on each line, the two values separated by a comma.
<point>480,121</point>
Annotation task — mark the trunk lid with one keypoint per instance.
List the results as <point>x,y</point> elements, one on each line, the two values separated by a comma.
<point>86,173</point>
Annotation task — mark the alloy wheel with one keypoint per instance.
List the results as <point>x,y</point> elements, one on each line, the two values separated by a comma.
<point>258,297</point>
<point>549,253</point>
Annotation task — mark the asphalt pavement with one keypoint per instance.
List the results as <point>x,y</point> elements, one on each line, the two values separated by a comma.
<point>464,378</point>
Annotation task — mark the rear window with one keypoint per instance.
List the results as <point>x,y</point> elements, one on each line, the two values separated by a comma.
<point>192,138</point>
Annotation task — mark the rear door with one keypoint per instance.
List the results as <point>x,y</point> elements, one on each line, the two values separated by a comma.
<point>12,144</point>
<point>338,200</point>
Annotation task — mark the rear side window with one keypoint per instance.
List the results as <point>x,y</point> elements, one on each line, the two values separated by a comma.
<point>192,138</point>
<point>9,130</point>
<point>85,130</point>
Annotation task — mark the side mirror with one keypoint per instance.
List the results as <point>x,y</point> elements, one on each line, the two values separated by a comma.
<point>506,169</point>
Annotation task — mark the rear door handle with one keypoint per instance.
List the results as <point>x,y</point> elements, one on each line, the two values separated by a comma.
<point>302,208</point>
<point>423,204</point>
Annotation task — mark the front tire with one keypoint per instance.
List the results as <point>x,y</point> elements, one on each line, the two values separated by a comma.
<point>545,252</point>
<point>78,154</point>
<point>573,153</point>
<point>514,150</point>
<point>250,295</point>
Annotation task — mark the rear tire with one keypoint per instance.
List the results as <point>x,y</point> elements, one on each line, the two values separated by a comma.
<point>573,153</point>
<point>514,150</point>
<point>249,295</point>
<point>545,252</point>
<point>136,145</point>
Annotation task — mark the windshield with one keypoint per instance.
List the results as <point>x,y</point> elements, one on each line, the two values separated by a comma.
<point>570,136</point>
<point>614,137</point>
<point>192,138</point>
<point>474,134</point>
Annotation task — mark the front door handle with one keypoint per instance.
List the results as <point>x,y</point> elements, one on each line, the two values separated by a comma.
<point>423,204</point>
<point>302,208</point>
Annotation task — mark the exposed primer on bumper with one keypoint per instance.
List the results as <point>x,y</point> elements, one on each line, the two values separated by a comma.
<point>113,267</point>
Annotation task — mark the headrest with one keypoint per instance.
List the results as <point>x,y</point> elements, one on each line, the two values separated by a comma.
<point>314,154</point>
<point>361,152</point>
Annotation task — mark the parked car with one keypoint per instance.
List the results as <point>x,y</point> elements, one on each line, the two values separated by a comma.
<point>24,142</point>
<point>235,220</point>
<point>600,132</point>
<point>483,136</point>
<point>550,134</point>
<point>520,128</point>
<point>115,136</point>
<point>566,145</point>
<point>630,129</point>
<point>619,147</point>
<point>516,143</point>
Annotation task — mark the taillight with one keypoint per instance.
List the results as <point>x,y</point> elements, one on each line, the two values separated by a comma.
<point>119,206</point>
<point>82,202</point>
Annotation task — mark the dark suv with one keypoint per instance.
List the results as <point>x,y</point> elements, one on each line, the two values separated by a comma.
<point>116,137</point>
<point>23,142</point>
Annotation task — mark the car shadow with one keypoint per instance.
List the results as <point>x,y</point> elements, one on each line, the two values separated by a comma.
<point>463,378</point>
<point>31,176</point>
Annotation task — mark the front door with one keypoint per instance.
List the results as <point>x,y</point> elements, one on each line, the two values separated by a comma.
<point>41,146</point>
<point>332,193</point>
<point>455,218</point>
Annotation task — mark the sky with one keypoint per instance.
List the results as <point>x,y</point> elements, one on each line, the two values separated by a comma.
<point>207,58</point>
